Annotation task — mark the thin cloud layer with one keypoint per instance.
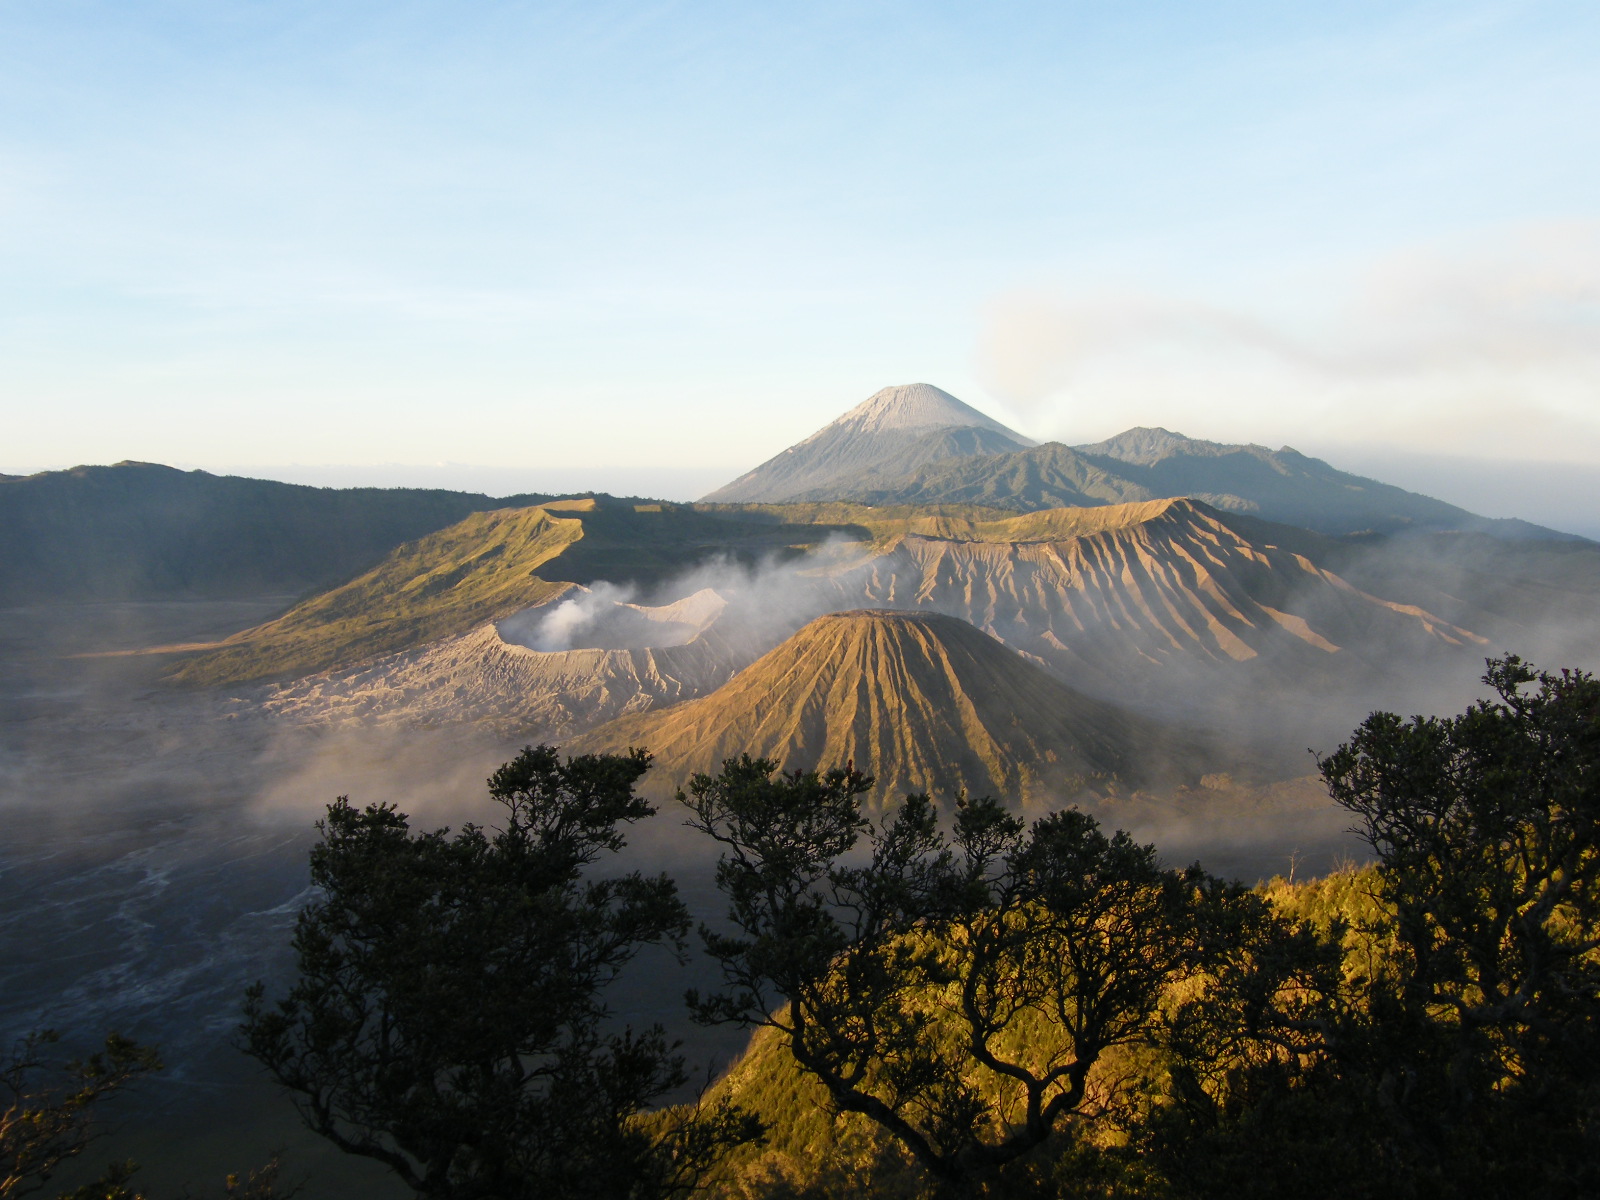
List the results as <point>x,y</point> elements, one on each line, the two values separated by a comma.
<point>1494,350</point>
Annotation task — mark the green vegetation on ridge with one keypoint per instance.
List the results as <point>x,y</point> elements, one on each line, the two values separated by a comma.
<point>1424,1027</point>
<point>476,570</point>
<point>447,1019</point>
<point>488,566</point>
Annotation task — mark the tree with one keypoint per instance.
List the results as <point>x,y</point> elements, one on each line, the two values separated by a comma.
<point>1487,831</point>
<point>448,1019</point>
<point>1446,1040</point>
<point>967,991</point>
<point>46,1114</point>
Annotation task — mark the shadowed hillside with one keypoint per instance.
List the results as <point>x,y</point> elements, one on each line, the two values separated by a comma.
<point>930,702</point>
<point>139,530</point>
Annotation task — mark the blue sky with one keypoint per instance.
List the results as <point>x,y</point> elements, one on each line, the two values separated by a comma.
<point>513,243</point>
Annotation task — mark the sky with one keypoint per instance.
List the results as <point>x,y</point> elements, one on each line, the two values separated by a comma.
<point>644,246</point>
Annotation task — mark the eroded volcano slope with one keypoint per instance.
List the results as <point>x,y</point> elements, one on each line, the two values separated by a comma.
<point>1164,605</point>
<point>925,701</point>
<point>1138,598</point>
<point>605,659</point>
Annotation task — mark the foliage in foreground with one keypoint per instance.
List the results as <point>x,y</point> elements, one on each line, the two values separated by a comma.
<point>1466,1056</point>
<point>46,1112</point>
<point>982,1008</point>
<point>962,991</point>
<point>51,1113</point>
<point>448,1016</point>
<point>1423,1027</point>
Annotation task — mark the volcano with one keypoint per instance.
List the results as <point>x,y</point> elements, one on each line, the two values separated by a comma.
<point>924,701</point>
<point>893,431</point>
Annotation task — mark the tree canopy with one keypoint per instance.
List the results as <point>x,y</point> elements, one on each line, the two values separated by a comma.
<point>449,1020</point>
<point>47,1111</point>
<point>1011,1008</point>
<point>1437,1034</point>
<point>958,988</point>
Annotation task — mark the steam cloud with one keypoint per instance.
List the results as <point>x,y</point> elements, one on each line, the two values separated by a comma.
<point>566,624</point>
<point>754,604</point>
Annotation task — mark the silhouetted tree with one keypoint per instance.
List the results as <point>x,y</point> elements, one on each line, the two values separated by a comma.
<point>965,991</point>
<point>1487,832</point>
<point>1450,1044</point>
<point>449,1016</point>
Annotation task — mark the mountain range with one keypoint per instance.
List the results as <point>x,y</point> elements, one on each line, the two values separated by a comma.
<point>144,531</point>
<point>891,433</point>
<point>1115,596</point>
<point>1170,610</point>
<point>916,444</point>
<point>915,586</point>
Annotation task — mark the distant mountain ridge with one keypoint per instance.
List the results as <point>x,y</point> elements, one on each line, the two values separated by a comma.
<point>851,460</point>
<point>1284,485</point>
<point>142,530</point>
<point>895,430</point>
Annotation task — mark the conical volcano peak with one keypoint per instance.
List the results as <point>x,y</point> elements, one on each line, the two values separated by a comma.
<point>915,406</point>
<point>929,700</point>
<point>891,432</point>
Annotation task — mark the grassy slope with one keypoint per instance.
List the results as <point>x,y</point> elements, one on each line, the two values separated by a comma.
<point>956,522</point>
<point>488,566</point>
<point>480,568</point>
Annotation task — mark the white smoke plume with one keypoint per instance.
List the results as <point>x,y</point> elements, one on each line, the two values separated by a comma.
<point>569,622</point>
<point>757,604</point>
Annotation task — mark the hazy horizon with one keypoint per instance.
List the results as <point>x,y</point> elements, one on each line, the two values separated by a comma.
<point>639,238</point>
<point>1558,495</point>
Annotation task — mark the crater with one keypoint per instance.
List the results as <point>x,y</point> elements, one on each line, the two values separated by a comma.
<point>587,619</point>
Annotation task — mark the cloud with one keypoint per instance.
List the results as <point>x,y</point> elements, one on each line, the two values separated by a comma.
<point>1493,349</point>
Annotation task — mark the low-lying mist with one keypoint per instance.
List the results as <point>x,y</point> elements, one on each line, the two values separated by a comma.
<point>155,859</point>
<point>156,840</point>
<point>1455,601</point>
